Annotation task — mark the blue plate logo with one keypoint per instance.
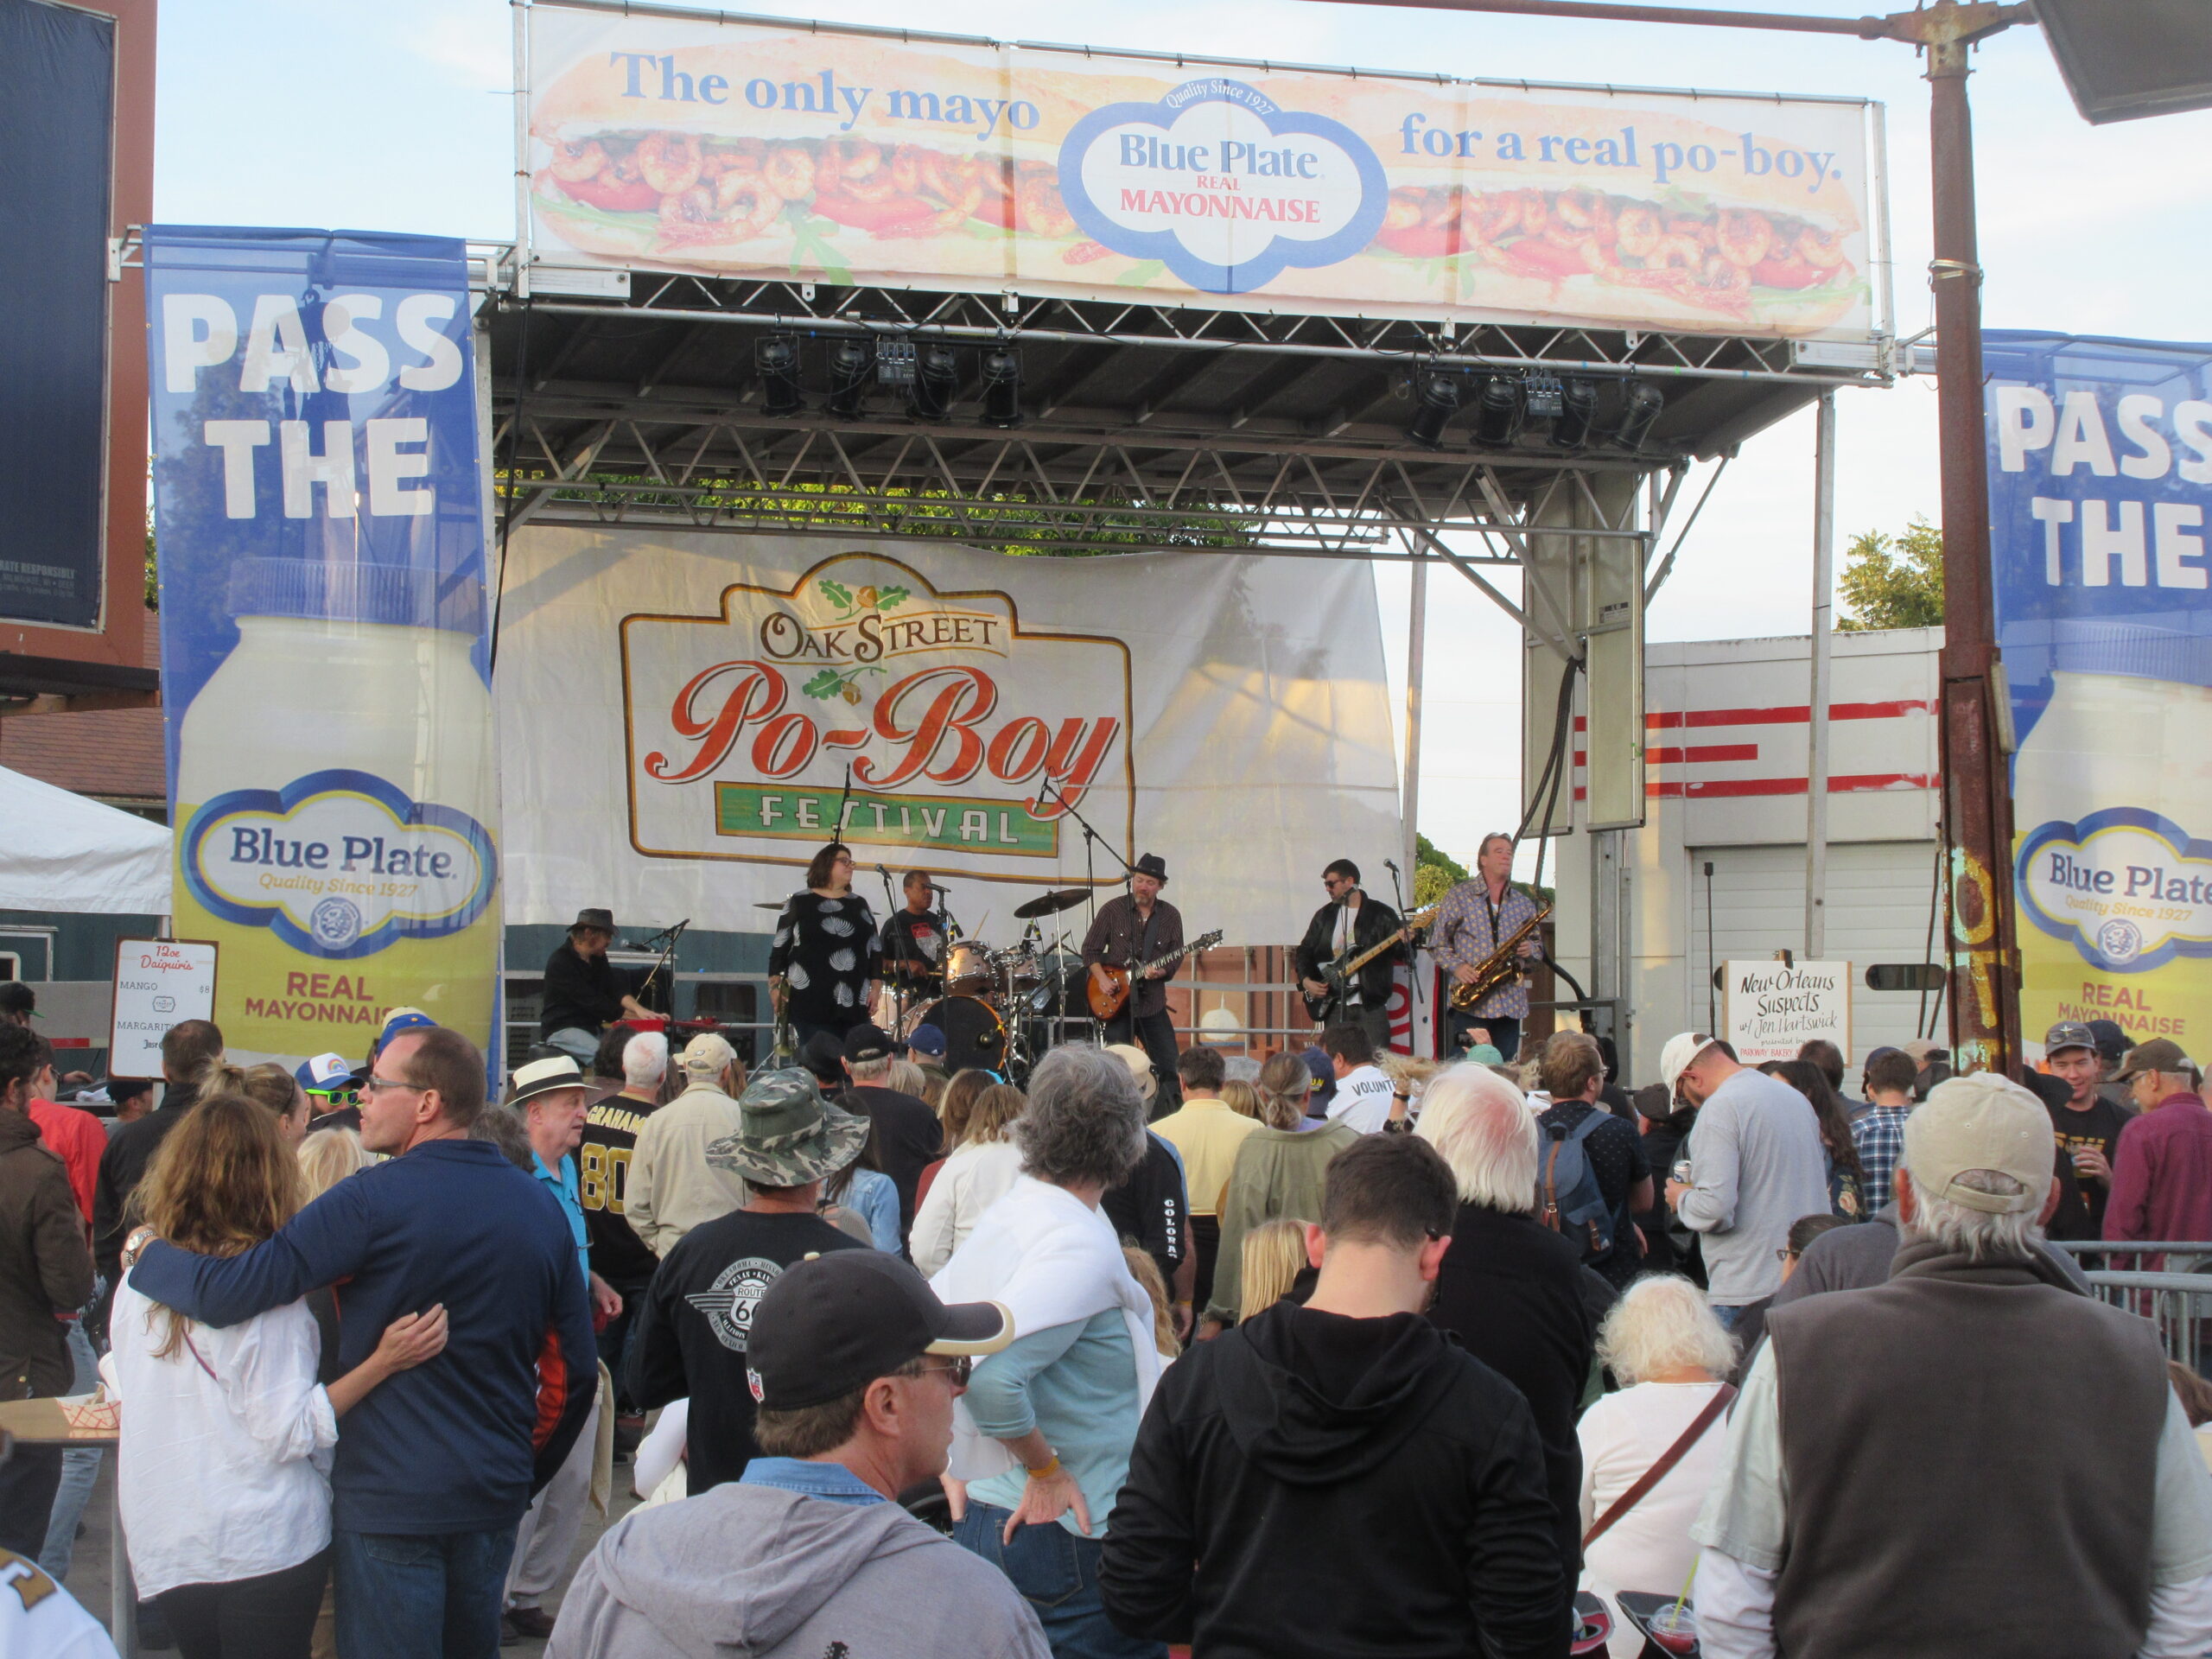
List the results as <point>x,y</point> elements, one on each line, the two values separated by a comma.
<point>2129,889</point>
<point>338,864</point>
<point>1222,184</point>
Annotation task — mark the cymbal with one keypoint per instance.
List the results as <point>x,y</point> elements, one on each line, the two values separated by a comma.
<point>768,904</point>
<point>1051,904</point>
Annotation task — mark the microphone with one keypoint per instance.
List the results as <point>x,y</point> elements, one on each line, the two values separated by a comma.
<point>1389,866</point>
<point>935,889</point>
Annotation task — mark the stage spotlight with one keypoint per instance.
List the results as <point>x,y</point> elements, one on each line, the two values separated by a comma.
<point>1497,411</point>
<point>852,366</point>
<point>1578,404</point>
<point>1439,397</point>
<point>935,383</point>
<point>1002,387</point>
<point>1641,404</point>
<point>777,359</point>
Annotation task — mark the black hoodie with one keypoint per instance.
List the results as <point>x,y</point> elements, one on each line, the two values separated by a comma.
<point>1312,1484</point>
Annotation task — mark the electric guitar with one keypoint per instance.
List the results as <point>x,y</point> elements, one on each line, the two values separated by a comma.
<point>1337,975</point>
<point>1109,988</point>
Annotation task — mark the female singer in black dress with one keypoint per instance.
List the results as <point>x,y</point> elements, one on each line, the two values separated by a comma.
<point>825,970</point>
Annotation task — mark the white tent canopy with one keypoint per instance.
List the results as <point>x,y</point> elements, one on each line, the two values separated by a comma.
<point>60,851</point>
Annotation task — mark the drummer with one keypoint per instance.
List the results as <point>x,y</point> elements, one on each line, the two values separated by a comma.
<point>913,938</point>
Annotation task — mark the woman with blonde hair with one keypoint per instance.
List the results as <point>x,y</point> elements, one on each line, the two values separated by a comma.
<point>328,1158</point>
<point>1670,1354</point>
<point>1275,1254</point>
<point>267,1085</point>
<point>977,1171</point>
<point>1241,1097</point>
<point>223,1471</point>
<point>1509,1287</point>
<point>1278,1170</point>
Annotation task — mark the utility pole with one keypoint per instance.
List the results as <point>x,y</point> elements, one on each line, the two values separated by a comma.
<point>1983,968</point>
<point>1817,748</point>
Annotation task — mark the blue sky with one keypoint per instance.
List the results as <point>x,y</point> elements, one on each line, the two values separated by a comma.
<point>396,116</point>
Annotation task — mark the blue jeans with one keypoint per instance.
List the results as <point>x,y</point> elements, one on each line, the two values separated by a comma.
<point>1730,1315</point>
<point>1057,1573</point>
<point>434,1596</point>
<point>81,1468</point>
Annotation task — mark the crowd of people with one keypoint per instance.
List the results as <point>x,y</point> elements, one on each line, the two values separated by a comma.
<point>1321,1352</point>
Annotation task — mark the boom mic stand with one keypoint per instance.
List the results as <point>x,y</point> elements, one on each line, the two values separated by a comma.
<point>1090,840</point>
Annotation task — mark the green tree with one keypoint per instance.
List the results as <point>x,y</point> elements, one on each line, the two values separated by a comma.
<point>1435,872</point>
<point>1893,583</point>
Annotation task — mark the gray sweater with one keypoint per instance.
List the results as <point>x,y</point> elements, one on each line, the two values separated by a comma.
<point>775,1575</point>
<point>1756,1165</point>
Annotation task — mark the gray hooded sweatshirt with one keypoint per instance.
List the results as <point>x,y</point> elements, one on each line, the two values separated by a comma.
<point>754,1571</point>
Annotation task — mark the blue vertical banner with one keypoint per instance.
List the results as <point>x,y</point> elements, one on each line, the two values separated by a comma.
<point>2101,477</point>
<point>325,650</point>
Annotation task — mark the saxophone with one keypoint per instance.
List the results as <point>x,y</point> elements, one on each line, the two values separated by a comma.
<point>1497,969</point>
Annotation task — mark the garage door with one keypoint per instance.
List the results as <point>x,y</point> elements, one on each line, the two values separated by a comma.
<point>1877,905</point>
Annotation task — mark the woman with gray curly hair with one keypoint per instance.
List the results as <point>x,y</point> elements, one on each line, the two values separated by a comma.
<point>1041,1439</point>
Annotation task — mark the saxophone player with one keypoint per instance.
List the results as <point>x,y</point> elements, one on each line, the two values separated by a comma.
<point>1475,916</point>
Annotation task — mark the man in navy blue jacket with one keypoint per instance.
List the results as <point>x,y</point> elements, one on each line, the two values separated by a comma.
<point>435,1467</point>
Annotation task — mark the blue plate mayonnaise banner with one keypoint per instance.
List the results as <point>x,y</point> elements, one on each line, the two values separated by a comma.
<point>753,148</point>
<point>324,672</point>
<point>2101,471</point>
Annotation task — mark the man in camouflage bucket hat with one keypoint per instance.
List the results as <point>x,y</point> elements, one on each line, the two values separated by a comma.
<point>789,1134</point>
<point>696,1324</point>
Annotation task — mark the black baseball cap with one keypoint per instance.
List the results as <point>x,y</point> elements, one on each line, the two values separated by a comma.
<point>865,1043</point>
<point>16,997</point>
<point>832,1324</point>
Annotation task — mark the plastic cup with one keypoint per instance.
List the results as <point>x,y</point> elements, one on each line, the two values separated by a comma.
<point>1674,1629</point>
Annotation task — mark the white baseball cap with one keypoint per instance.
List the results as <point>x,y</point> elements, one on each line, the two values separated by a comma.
<point>1681,1049</point>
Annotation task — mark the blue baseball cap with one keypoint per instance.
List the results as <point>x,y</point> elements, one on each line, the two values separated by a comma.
<point>327,1074</point>
<point>400,1020</point>
<point>925,1042</point>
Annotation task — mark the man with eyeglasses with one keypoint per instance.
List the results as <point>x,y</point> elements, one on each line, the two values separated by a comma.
<point>1349,923</point>
<point>855,1365</point>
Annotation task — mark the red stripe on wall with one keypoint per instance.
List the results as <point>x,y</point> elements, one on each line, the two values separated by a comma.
<point>1798,714</point>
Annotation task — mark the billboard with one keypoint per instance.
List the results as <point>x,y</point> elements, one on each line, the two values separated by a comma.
<point>325,677</point>
<point>759,148</point>
<point>684,718</point>
<point>2101,470</point>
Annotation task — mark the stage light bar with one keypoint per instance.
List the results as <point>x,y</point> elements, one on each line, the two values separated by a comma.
<point>935,383</point>
<point>1002,387</point>
<point>777,360</point>
<point>852,366</point>
<point>1439,397</point>
<point>1641,402</point>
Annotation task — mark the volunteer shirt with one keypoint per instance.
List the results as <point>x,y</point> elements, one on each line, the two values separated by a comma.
<point>618,1255</point>
<point>1151,1208</point>
<point>39,1620</point>
<point>2099,1127</point>
<point>695,1318</point>
<point>1362,1098</point>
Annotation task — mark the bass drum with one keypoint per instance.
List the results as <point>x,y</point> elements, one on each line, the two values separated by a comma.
<point>974,1033</point>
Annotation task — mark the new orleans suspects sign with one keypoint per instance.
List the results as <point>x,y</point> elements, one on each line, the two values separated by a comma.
<point>861,704</point>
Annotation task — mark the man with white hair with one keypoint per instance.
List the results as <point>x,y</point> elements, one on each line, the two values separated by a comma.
<point>1911,1490</point>
<point>671,1187</point>
<point>603,1160</point>
<point>1756,1165</point>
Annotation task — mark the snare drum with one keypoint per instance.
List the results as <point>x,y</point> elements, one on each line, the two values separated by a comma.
<point>967,970</point>
<point>974,1033</point>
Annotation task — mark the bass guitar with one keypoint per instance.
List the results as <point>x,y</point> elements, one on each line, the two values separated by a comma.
<point>1109,988</point>
<point>1337,975</point>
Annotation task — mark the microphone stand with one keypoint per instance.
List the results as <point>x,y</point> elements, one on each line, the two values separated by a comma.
<point>1090,839</point>
<point>1412,957</point>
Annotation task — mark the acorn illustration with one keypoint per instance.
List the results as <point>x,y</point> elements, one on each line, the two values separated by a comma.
<point>866,598</point>
<point>852,694</point>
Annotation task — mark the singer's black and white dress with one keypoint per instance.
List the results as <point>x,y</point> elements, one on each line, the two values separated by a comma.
<point>827,953</point>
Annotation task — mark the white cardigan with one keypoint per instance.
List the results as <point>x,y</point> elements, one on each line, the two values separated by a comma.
<point>976,1177</point>
<point>226,1476</point>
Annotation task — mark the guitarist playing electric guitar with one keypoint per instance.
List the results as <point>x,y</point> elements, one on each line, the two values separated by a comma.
<point>1133,927</point>
<point>1349,923</point>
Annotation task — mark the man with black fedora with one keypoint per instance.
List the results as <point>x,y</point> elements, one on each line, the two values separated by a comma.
<point>584,992</point>
<point>855,1365</point>
<point>694,1327</point>
<point>1140,926</point>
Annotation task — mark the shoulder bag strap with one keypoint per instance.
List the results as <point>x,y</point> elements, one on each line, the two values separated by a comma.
<point>197,1355</point>
<point>1658,1471</point>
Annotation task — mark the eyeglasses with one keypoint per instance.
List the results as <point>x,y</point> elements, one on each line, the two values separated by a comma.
<point>377,1085</point>
<point>1785,1253</point>
<point>958,1369</point>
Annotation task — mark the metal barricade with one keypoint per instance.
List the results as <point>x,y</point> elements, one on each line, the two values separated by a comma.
<point>2178,1303</point>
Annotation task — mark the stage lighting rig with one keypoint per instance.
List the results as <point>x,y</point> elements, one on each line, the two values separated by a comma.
<point>935,382</point>
<point>1002,387</point>
<point>1437,396</point>
<point>1498,412</point>
<point>776,358</point>
<point>852,366</point>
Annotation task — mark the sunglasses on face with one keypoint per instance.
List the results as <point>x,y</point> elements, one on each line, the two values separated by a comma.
<point>959,1370</point>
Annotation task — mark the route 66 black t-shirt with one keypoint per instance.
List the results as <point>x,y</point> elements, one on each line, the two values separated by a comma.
<point>2099,1127</point>
<point>695,1322</point>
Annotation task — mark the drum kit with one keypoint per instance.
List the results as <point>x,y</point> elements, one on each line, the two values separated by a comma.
<point>998,1009</point>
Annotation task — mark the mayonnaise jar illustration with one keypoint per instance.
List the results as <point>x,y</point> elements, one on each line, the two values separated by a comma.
<point>336,783</point>
<point>2112,804</point>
